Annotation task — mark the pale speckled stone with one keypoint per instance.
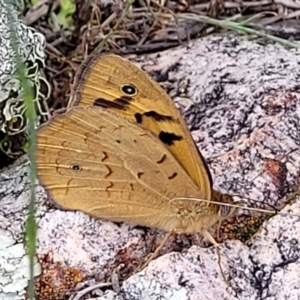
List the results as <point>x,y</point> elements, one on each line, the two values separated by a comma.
<point>95,244</point>
<point>267,268</point>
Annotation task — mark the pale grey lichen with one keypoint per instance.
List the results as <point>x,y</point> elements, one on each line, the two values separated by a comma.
<point>31,46</point>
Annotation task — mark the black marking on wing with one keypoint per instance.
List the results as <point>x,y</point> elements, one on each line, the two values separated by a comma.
<point>154,115</point>
<point>158,117</point>
<point>162,159</point>
<point>139,174</point>
<point>138,118</point>
<point>119,103</point>
<point>169,138</point>
<point>105,157</point>
<point>110,186</point>
<point>131,187</point>
<point>109,171</point>
<point>173,176</point>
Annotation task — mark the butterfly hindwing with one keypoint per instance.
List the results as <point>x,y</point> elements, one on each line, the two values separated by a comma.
<point>101,163</point>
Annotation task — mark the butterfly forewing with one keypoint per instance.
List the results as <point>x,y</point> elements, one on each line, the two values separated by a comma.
<point>115,84</point>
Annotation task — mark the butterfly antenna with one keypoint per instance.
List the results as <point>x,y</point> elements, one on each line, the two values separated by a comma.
<point>275,211</point>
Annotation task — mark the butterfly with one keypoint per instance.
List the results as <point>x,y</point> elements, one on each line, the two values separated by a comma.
<point>123,152</point>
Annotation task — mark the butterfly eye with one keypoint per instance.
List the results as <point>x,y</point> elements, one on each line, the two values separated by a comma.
<point>226,211</point>
<point>76,167</point>
<point>129,89</point>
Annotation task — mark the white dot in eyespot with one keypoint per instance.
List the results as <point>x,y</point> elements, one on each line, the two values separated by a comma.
<point>76,167</point>
<point>129,89</point>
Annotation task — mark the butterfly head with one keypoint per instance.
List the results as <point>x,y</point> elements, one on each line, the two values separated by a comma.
<point>194,214</point>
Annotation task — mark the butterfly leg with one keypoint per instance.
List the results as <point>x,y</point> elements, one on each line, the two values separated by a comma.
<point>208,236</point>
<point>218,230</point>
<point>157,250</point>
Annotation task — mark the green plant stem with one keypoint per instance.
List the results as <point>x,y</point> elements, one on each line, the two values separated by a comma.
<point>31,117</point>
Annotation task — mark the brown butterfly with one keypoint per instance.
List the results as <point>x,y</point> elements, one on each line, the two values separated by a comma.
<point>123,152</point>
<point>95,160</point>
